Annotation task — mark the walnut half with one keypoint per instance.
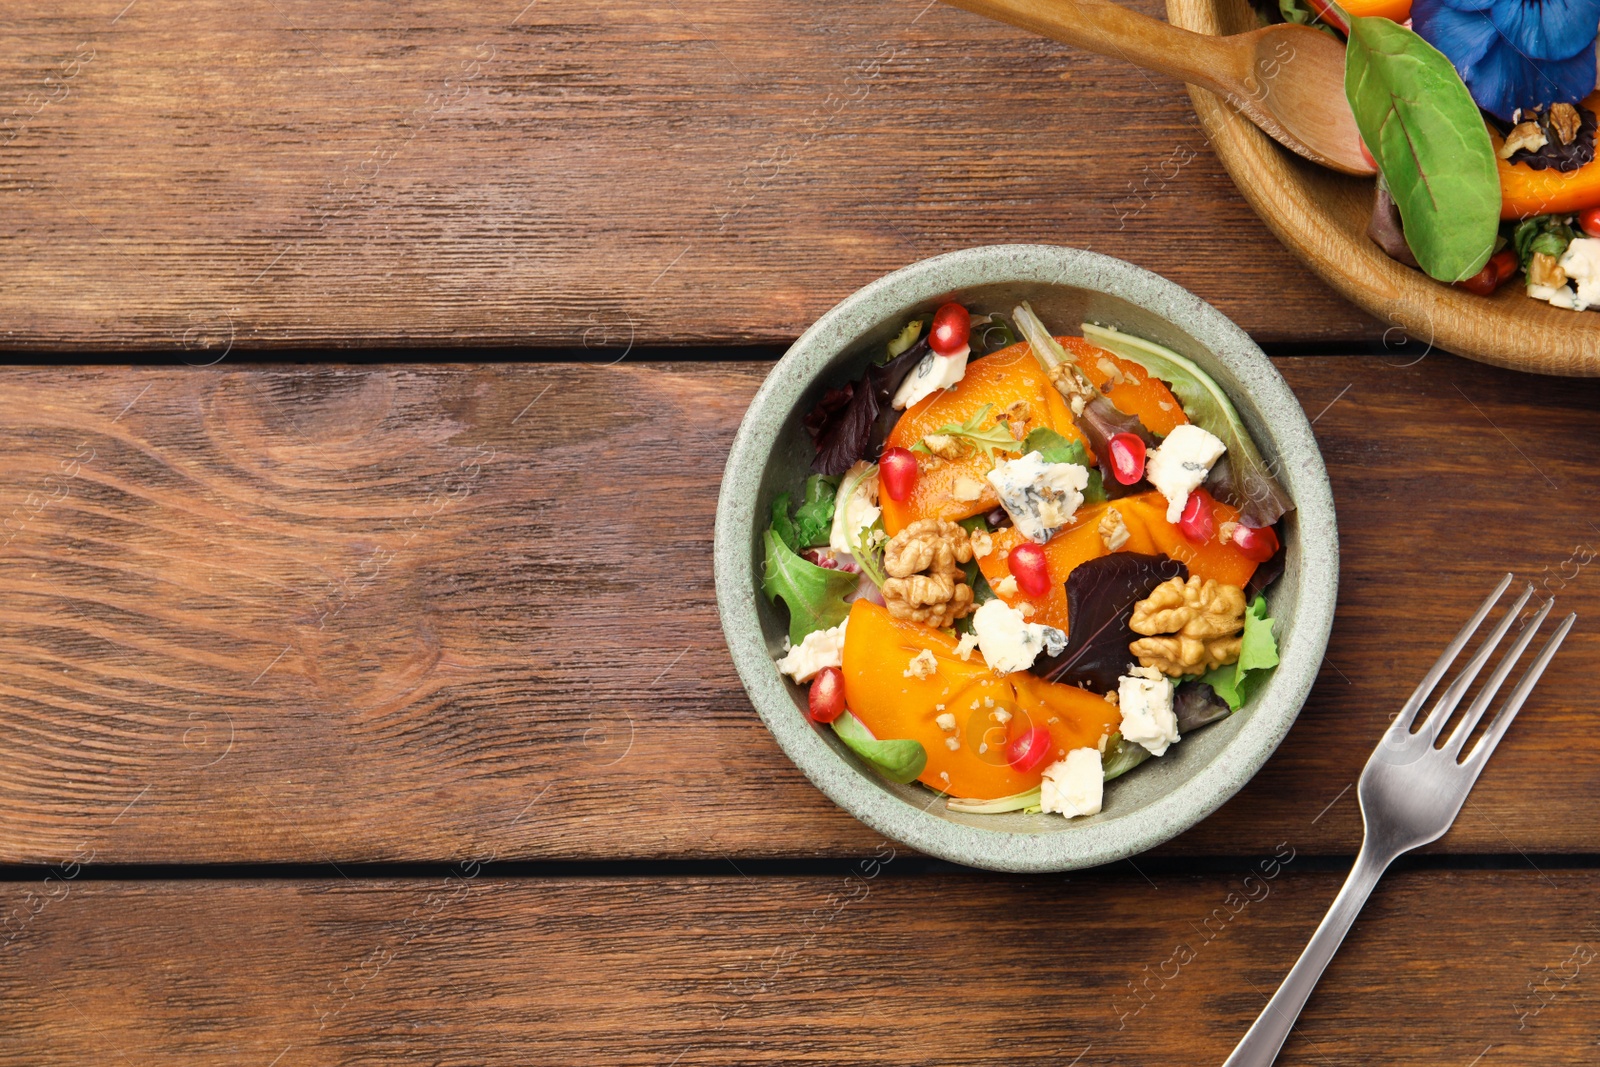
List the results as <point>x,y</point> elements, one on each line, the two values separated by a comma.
<point>925,582</point>
<point>1188,627</point>
<point>1545,269</point>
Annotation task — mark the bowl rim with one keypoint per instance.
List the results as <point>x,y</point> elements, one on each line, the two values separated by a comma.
<point>1189,801</point>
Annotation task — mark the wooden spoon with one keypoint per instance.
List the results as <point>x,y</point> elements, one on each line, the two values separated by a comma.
<point>1287,79</point>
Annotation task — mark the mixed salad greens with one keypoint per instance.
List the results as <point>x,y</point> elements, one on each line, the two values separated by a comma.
<point>1479,116</point>
<point>1025,564</point>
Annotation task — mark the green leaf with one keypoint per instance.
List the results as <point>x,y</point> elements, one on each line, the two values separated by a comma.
<point>996,438</point>
<point>1420,123</point>
<point>814,519</point>
<point>1256,491</point>
<point>1121,757</point>
<point>898,761</point>
<point>813,594</point>
<point>906,337</point>
<point>1015,802</point>
<point>782,525</point>
<point>1549,234</point>
<point>990,333</point>
<point>866,550</point>
<point>1258,649</point>
<point>1258,653</point>
<point>1057,449</point>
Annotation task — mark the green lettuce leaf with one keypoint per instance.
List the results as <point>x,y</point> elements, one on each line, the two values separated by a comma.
<point>1253,490</point>
<point>898,761</point>
<point>1258,653</point>
<point>908,336</point>
<point>1425,132</point>
<point>814,519</point>
<point>1015,802</point>
<point>784,526</point>
<point>1121,757</point>
<point>1549,234</point>
<point>813,594</point>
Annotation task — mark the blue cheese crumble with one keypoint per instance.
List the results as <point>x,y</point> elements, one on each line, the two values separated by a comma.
<point>932,373</point>
<point>1145,697</point>
<point>1040,497</point>
<point>1010,642</point>
<point>1180,464</point>
<point>820,649</point>
<point>1074,786</point>
<point>1580,265</point>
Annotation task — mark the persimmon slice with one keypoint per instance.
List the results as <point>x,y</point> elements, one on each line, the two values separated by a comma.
<point>885,692</point>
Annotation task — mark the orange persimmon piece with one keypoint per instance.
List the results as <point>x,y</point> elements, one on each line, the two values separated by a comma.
<point>998,380</point>
<point>1215,558</point>
<point>1077,543</point>
<point>1131,389</point>
<point>1149,532</point>
<point>1394,10</point>
<point>1525,192</point>
<point>883,691</point>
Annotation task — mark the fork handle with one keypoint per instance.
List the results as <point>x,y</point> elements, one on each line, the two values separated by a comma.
<point>1271,1028</point>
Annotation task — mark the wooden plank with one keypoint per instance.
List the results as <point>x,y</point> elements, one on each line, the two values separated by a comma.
<point>952,969</point>
<point>427,612</point>
<point>221,177</point>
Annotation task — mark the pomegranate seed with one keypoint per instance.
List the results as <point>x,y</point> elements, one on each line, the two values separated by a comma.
<point>1484,283</point>
<point>826,701</point>
<point>1505,264</point>
<point>1127,457</point>
<point>1198,522</point>
<point>951,325</point>
<point>1030,568</point>
<point>1256,542</point>
<point>897,470</point>
<point>1589,221</point>
<point>1501,266</point>
<point>1029,750</point>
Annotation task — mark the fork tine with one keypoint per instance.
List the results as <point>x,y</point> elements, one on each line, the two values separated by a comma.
<point>1480,703</point>
<point>1440,715</point>
<point>1408,714</point>
<point>1502,720</point>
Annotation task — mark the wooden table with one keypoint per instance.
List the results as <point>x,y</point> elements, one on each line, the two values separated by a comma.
<point>363,695</point>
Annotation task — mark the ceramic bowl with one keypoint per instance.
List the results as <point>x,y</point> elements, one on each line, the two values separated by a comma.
<point>772,454</point>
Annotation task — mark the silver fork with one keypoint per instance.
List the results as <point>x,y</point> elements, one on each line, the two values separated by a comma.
<point>1411,791</point>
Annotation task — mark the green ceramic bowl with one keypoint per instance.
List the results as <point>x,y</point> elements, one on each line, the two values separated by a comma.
<point>1066,286</point>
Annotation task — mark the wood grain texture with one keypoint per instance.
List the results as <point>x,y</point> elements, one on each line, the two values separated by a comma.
<point>211,176</point>
<point>954,969</point>
<point>1322,217</point>
<point>432,612</point>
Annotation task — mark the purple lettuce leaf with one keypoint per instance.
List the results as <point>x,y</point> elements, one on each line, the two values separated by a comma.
<point>852,423</point>
<point>1196,704</point>
<point>1101,594</point>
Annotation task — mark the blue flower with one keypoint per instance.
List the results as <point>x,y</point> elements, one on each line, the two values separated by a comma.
<point>1515,53</point>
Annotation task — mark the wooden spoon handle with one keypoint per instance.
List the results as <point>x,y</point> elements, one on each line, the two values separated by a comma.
<point>1215,63</point>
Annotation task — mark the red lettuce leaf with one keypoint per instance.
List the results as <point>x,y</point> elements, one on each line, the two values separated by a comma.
<point>1100,422</point>
<point>1101,594</point>
<point>1196,704</point>
<point>852,423</point>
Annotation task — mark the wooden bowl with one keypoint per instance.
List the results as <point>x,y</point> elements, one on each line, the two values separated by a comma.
<point>1322,217</point>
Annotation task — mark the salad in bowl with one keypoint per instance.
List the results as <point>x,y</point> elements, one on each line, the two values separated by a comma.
<point>1024,562</point>
<point>979,482</point>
